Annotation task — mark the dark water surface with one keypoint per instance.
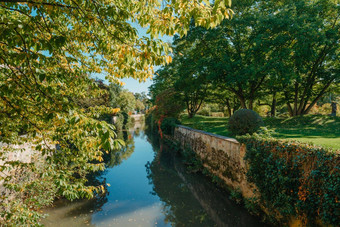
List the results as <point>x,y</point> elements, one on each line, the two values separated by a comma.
<point>149,186</point>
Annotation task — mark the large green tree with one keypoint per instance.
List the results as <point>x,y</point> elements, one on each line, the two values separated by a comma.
<point>304,38</point>
<point>287,50</point>
<point>48,51</point>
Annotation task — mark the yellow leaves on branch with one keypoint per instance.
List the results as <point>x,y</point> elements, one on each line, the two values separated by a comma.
<point>115,110</point>
<point>168,59</point>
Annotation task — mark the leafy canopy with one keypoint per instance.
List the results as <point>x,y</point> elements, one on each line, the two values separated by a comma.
<point>49,49</point>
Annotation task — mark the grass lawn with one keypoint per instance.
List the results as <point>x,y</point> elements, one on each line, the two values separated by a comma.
<point>317,129</point>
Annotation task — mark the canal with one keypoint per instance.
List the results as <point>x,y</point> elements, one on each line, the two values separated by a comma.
<point>149,186</point>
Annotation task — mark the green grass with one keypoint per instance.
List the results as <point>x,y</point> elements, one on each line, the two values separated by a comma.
<point>317,129</point>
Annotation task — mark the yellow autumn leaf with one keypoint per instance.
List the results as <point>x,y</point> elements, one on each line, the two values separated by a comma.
<point>115,110</point>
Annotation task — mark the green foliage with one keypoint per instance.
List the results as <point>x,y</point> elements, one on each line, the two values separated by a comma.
<point>119,121</point>
<point>126,101</point>
<point>143,98</point>
<point>168,104</point>
<point>97,95</point>
<point>168,125</point>
<point>244,121</point>
<point>184,75</point>
<point>192,160</point>
<point>199,125</point>
<point>253,206</point>
<point>139,106</point>
<point>205,111</point>
<point>320,130</point>
<point>49,50</point>
<point>272,54</point>
<point>295,179</point>
<point>236,195</point>
<point>114,90</point>
<point>126,118</point>
<point>106,117</point>
<point>150,121</point>
<point>25,196</point>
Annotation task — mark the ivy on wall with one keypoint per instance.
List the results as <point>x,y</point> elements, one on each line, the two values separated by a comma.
<point>295,180</point>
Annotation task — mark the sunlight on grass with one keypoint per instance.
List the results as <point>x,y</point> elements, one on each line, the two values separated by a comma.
<point>317,129</point>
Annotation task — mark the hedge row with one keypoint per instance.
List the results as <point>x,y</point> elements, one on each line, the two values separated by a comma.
<point>295,180</point>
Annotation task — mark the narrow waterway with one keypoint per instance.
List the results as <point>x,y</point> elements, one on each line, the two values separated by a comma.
<point>150,186</point>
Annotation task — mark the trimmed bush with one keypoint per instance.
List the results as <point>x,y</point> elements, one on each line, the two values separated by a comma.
<point>295,180</point>
<point>244,121</point>
<point>168,125</point>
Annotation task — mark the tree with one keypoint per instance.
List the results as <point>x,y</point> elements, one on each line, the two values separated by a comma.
<point>185,75</point>
<point>48,51</point>
<point>224,56</point>
<point>224,98</point>
<point>143,98</point>
<point>139,106</point>
<point>283,49</point>
<point>305,40</point>
<point>126,101</point>
<point>115,90</point>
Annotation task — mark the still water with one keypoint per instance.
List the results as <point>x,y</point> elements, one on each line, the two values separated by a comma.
<point>149,186</point>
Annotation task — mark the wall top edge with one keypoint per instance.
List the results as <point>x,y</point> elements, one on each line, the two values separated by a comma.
<point>210,134</point>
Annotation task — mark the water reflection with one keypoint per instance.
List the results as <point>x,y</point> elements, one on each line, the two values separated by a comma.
<point>149,187</point>
<point>191,199</point>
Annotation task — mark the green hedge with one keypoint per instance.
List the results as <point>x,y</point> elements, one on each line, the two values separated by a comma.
<point>168,125</point>
<point>295,180</point>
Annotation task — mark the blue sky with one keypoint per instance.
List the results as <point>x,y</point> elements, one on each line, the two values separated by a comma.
<point>132,84</point>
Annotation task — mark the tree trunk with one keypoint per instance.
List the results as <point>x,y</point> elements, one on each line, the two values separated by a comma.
<point>228,107</point>
<point>333,104</point>
<point>290,110</point>
<point>243,103</point>
<point>251,104</point>
<point>273,106</point>
<point>322,92</point>
<point>294,112</point>
<point>190,114</point>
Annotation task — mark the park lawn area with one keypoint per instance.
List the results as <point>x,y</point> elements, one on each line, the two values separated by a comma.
<point>316,129</point>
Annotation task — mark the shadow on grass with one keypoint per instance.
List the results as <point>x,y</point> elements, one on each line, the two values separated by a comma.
<point>319,129</point>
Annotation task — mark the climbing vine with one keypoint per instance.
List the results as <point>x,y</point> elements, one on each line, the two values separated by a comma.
<point>296,180</point>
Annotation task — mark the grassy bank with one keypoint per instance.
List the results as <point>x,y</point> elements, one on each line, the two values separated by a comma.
<point>317,129</point>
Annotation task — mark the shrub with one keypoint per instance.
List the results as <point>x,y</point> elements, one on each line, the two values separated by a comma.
<point>205,111</point>
<point>119,121</point>
<point>168,125</point>
<point>106,117</point>
<point>150,121</point>
<point>295,179</point>
<point>244,121</point>
<point>217,114</point>
<point>126,118</point>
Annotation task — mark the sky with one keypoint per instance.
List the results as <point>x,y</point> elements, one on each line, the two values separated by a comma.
<point>131,84</point>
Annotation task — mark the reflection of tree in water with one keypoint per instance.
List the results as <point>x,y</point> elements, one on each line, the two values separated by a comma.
<point>82,208</point>
<point>191,199</point>
<point>153,139</point>
<point>111,159</point>
<point>180,207</point>
<point>115,158</point>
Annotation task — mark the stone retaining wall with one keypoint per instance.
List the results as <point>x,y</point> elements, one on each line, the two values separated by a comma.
<point>222,156</point>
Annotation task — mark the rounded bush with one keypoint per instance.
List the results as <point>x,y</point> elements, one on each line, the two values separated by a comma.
<point>244,121</point>
<point>168,125</point>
